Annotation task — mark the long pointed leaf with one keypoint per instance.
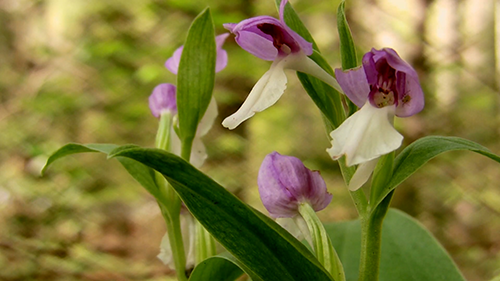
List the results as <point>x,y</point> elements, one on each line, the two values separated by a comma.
<point>143,174</point>
<point>270,253</point>
<point>420,152</point>
<point>195,80</point>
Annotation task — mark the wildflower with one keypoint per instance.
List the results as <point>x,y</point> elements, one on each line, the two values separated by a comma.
<point>384,86</point>
<point>285,183</point>
<point>172,64</point>
<point>271,39</point>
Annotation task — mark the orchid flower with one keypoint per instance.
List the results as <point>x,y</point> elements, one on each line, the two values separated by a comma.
<point>163,101</point>
<point>382,87</point>
<point>172,64</point>
<point>271,39</point>
<point>285,183</point>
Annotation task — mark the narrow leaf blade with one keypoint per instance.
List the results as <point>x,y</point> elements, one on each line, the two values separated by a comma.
<point>347,49</point>
<point>327,99</point>
<point>74,148</point>
<point>420,152</point>
<point>143,174</point>
<point>255,241</point>
<point>195,80</point>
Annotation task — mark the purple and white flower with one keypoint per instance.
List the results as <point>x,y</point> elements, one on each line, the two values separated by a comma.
<point>271,39</point>
<point>285,183</point>
<point>383,87</point>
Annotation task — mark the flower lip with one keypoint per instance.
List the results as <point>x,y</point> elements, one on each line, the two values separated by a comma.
<point>284,183</point>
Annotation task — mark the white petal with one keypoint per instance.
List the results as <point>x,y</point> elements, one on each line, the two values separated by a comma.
<point>188,236</point>
<point>302,63</point>
<point>198,153</point>
<point>366,135</point>
<point>165,254</point>
<point>208,119</point>
<point>362,174</point>
<point>175,142</point>
<point>265,93</point>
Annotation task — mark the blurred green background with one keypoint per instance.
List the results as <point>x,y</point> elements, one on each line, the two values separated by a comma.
<point>82,70</point>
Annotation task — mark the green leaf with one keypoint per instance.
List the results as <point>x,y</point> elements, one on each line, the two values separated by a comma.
<point>420,152</point>
<point>347,48</point>
<point>143,174</point>
<point>258,242</point>
<point>73,148</point>
<point>327,99</point>
<point>216,268</point>
<point>409,251</point>
<point>229,266</point>
<point>195,80</point>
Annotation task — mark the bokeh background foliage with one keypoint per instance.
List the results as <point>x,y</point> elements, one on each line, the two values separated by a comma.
<point>81,71</point>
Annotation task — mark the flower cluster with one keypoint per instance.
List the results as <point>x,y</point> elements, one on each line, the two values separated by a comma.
<point>383,87</point>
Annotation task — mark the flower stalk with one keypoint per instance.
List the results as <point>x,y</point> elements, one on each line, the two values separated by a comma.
<point>323,248</point>
<point>371,241</point>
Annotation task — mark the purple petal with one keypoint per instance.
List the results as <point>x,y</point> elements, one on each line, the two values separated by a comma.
<point>354,84</point>
<point>221,61</point>
<point>277,199</point>
<point>257,45</point>
<point>263,37</point>
<point>220,39</point>
<point>370,69</point>
<point>305,46</point>
<point>282,9</point>
<point>163,100</point>
<point>410,94</point>
<point>172,64</point>
<point>284,182</point>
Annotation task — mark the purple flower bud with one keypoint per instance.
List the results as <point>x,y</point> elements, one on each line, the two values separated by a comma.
<point>163,100</point>
<point>267,38</point>
<point>284,183</point>
<point>172,64</point>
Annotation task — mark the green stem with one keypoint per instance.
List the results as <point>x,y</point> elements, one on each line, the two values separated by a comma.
<point>163,134</point>
<point>358,196</point>
<point>170,211</point>
<point>172,220</point>
<point>186,147</point>
<point>371,239</point>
